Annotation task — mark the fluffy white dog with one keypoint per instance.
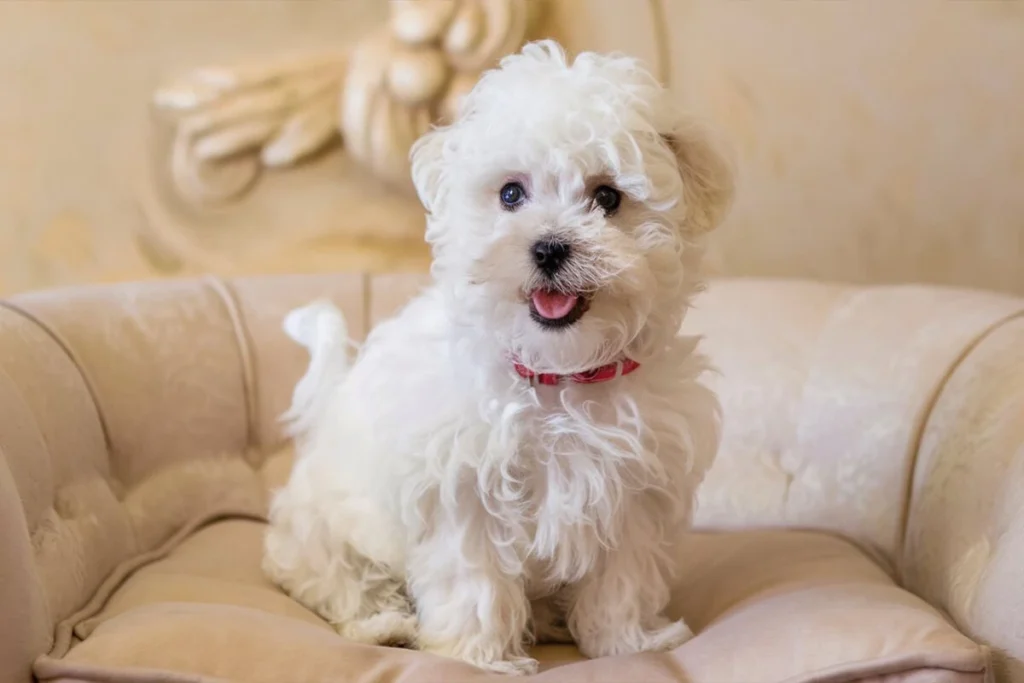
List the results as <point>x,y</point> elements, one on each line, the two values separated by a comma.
<point>510,457</point>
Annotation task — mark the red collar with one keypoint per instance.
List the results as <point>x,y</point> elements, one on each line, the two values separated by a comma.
<point>599,374</point>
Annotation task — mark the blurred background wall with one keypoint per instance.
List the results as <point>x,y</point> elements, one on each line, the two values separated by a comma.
<point>876,141</point>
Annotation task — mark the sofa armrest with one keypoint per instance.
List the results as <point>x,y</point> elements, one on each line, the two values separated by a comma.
<point>964,549</point>
<point>24,626</point>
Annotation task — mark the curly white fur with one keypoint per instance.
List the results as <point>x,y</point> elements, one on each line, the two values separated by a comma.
<point>439,499</point>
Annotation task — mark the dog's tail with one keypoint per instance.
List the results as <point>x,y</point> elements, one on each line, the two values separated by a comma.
<point>320,327</point>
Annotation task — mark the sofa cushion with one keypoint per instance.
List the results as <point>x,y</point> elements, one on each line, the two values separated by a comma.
<point>766,605</point>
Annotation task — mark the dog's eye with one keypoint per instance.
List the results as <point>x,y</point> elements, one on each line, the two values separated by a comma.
<point>512,195</point>
<point>608,198</point>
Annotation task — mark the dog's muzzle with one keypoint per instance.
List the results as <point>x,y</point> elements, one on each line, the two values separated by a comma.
<point>550,255</point>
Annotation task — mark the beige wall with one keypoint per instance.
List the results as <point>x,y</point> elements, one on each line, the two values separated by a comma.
<point>875,140</point>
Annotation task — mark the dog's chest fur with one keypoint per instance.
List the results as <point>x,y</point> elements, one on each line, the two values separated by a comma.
<point>580,468</point>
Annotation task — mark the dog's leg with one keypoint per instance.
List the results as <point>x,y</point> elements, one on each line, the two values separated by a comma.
<point>385,616</point>
<point>468,608</point>
<point>355,595</point>
<point>618,609</point>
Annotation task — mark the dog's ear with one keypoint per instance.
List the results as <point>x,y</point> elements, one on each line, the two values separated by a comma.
<point>707,174</point>
<point>428,174</point>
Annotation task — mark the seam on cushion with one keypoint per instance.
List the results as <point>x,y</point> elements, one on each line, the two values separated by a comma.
<point>65,629</point>
<point>38,433</point>
<point>66,348</point>
<point>922,425</point>
<point>967,662</point>
<point>226,293</point>
<point>870,553</point>
<point>990,664</point>
<point>47,668</point>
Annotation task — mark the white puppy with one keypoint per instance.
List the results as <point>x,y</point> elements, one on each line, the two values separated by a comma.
<point>509,458</point>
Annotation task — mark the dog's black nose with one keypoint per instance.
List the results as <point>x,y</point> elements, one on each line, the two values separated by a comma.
<point>550,255</point>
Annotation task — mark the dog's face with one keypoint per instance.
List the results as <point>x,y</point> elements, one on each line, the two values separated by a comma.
<point>566,208</point>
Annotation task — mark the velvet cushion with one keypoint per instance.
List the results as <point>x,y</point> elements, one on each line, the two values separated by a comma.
<point>767,606</point>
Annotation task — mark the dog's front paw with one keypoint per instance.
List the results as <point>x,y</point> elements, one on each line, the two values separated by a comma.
<point>516,666</point>
<point>394,629</point>
<point>512,665</point>
<point>668,637</point>
<point>603,640</point>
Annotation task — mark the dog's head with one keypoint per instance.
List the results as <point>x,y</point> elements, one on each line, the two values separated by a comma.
<point>567,206</point>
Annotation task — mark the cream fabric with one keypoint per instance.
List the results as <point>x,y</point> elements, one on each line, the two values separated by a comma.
<point>124,413</point>
<point>965,537</point>
<point>754,597</point>
<point>825,391</point>
<point>132,417</point>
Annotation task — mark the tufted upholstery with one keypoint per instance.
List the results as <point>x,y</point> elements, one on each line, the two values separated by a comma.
<point>138,439</point>
<point>965,533</point>
<point>826,407</point>
<point>127,410</point>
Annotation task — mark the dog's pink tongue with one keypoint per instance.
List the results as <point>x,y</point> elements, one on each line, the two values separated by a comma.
<point>553,305</point>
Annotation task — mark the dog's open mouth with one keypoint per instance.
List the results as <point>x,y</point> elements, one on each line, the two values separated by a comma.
<point>555,310</point>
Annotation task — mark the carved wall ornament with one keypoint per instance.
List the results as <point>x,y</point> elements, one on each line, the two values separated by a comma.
<point>232,122</point>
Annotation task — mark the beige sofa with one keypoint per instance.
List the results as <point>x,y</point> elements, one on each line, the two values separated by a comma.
<point>865,520</point>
